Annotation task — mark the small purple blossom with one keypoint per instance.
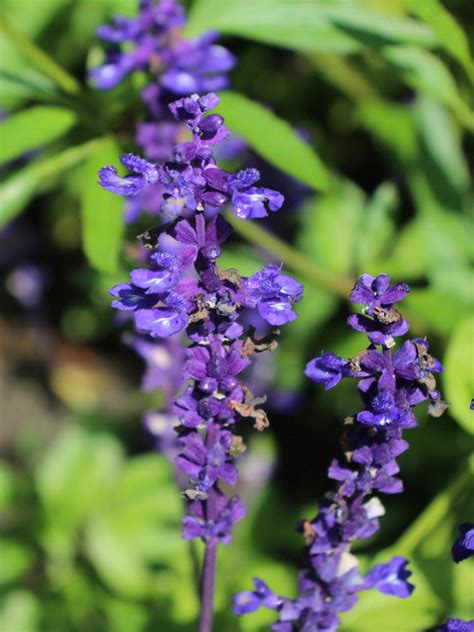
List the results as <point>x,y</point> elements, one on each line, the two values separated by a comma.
<point>273,294</point>
<point>390,578</point>
<point>463,547</point>
<point>327,369</point>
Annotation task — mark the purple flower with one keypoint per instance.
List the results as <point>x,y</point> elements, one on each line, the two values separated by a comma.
<point>457,625</point>
<point>273,294</point>
<point>247,601</point>
<point>129,185</point>
<point>227,513</point>
<point>391,383</point>
<point>377,292</point>
<point>464,545</point>
<point>327,369</point>
<point>206,464</point>
<point>169,317</point>
<point>390,578</point>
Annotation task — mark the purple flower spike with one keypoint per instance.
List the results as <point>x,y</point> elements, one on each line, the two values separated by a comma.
<point>391,383</point>
<point>327,369</point>
<point>464,545</point>
<point>390,578</point>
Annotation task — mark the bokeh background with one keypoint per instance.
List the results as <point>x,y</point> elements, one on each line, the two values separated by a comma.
<point>382,93</point>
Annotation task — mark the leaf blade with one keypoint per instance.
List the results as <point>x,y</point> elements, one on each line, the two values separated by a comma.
<point>274,139</point>
<point>31,128</point>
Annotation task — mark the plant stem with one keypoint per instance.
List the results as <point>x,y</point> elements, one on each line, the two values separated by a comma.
<point>208,576</point>
<point>207,586</point>
<point>40,59</point>
<point>291,257</point>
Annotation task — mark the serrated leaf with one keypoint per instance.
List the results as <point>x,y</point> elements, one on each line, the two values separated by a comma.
<point>31,128</point>
<point>17,190</point>
<point>102,212</point>
<point>274,139</point>
<point>459,374</point>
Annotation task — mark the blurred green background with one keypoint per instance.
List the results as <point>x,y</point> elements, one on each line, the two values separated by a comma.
<point>89,514</point>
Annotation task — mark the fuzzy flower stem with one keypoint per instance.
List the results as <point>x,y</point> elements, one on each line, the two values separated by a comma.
<point>207,586</point>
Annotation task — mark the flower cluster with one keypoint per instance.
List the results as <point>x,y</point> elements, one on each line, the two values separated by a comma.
<point>391,383</point>
<point>173,66</point>
<point>184,289</point>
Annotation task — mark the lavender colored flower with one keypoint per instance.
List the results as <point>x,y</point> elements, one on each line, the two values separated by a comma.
<point>457,625</point>
<point>328,370</point>
<point>174,67</point>
<point>391,578</point>
<point>463,547</point>
<point>273,294</point>
<point>391,383</point>
<point>182,288</point>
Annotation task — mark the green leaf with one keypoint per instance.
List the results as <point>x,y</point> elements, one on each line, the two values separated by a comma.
<point>17,190</point>
<point>32,128</point>
<point>75,474</point>
<point>16,560</point>
<point>410,257</point>
<point>377,228</point>
<point>330,228</point>
<point>293,24</point>
<point>419,612</point>
<point>392,125</point>
<point>20,612</point>
<point>274,139</point>
<point>428,74</point>
<point>307,26</point>
<point>448,31</point>
<point>136,525</point>
<point>459,374</point>
<point>102,212</point>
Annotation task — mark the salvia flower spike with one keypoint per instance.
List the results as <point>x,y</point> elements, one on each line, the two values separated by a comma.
<point>183,289</point>
<point>392,381</point>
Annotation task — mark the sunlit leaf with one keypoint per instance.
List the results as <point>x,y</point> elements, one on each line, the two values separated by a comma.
<point>102,212</point>
<point>17,190</point>
<point>430,76</point>
<point>448,31</point>
<point>20,610</point>
<point>459,374</point>
<point>274,139</point>
<point>303,25</point>
<point>31,128</point>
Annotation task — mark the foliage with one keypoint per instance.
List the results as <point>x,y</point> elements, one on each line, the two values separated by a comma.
<point>90,535</point>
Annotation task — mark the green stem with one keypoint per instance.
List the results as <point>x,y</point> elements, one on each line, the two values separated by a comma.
<point>253,233</point>
<point>433,515</point>
<point>39,58</point>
